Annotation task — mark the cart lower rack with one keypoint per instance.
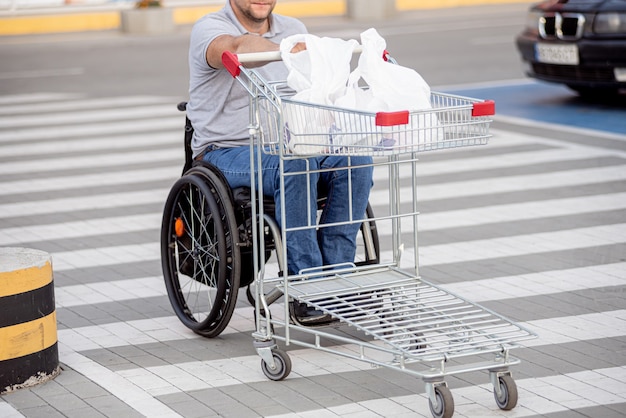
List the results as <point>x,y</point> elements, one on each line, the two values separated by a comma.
<point>410,325</point>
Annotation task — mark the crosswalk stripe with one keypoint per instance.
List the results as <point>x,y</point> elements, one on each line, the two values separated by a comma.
<point>530,182</point>
<point>427,192</point>
<point>591,326</point>
<point>120,387</point>
<point>546,395</point>
<point>582,387</point>
<point>432,191</point>
<point>428,221</point>
<point>79,105</point>
<point>80,229</point>
<point>505,160</point>
<point>441,167</point>
<point>14,99</point>
<point>199,375</point>
<point>429,255</point>
<point>87,116</point>
<point>537,284</point>
<point>175,138</point>
<point>576,130</point>
<point>71,204</point>
<point>479,291</point>
<point>90,180</point>
<point>560,330</point>
<point>37,134</point>
<point>94,144</point>
<point>111,291</point>
<point>105,160</point>
<point>515,245</point>
<point>105,256</point>
<point>484,215</point>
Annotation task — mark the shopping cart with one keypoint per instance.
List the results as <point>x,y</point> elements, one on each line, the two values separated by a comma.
<point>384,313</point>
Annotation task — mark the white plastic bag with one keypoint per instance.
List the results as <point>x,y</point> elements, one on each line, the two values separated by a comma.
<point>318,75</point>
<point>398,87</point>
<point>392,88</point>
<point>321,75</point>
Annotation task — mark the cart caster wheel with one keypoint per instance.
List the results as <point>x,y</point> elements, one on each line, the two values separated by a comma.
<point>282,366</point>
<point>445,403</point>
<point>508,393</point>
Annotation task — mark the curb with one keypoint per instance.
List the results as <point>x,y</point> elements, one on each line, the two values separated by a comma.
<point>81,19</point>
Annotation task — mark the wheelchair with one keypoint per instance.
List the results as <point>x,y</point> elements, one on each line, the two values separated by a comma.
<point>207,246</point>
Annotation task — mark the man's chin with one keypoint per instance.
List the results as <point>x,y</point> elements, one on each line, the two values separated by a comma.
<point>261,10</point>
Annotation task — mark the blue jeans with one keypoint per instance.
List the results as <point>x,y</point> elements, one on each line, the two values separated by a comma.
<point>309,247</point>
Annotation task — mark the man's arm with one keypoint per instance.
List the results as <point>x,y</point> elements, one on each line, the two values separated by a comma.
<point>240,45</point>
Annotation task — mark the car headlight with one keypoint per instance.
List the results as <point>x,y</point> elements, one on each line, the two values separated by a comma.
<point>610,23</point>
<point>532,20</point>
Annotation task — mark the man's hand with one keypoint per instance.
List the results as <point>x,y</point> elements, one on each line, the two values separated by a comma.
<point>300,46</point>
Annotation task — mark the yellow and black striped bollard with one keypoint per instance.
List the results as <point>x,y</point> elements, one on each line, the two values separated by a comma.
<point>28,328</point>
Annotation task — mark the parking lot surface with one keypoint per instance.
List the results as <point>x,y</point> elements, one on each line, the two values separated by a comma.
<point>531,225</point>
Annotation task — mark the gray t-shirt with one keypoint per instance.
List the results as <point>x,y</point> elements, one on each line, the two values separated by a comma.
<point>218,105</point>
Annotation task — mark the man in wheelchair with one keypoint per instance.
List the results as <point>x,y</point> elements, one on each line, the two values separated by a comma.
<point>218,109</point>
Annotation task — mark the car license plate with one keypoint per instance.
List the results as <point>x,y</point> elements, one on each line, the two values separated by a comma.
<point>557,54</point>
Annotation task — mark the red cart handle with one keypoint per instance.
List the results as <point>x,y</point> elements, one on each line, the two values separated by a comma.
<point>392,118</point>
<point>231,63</point>
<point>486,108</point>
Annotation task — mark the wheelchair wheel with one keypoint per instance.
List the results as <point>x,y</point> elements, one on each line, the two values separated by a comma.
<point>200,252</point>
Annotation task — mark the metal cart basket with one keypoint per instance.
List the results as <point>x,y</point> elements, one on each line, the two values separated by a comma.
<point>386,314</point>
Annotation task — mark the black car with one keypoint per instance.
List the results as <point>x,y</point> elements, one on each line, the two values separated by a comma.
<point>579,43</point>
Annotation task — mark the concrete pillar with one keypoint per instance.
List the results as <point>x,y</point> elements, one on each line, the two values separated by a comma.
<point>370,9</point>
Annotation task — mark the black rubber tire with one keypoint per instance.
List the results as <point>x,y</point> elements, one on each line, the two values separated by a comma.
<point>508,387</point>
<point>369,227</point>
<point>445,401</point>
<point>283,366</point>
<point>201,260</point>
<point>232,263</point>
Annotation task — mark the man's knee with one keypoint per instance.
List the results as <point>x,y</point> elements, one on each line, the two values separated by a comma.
<point>308,170</point>
<point>300,165</point>
<point>363,171</point>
